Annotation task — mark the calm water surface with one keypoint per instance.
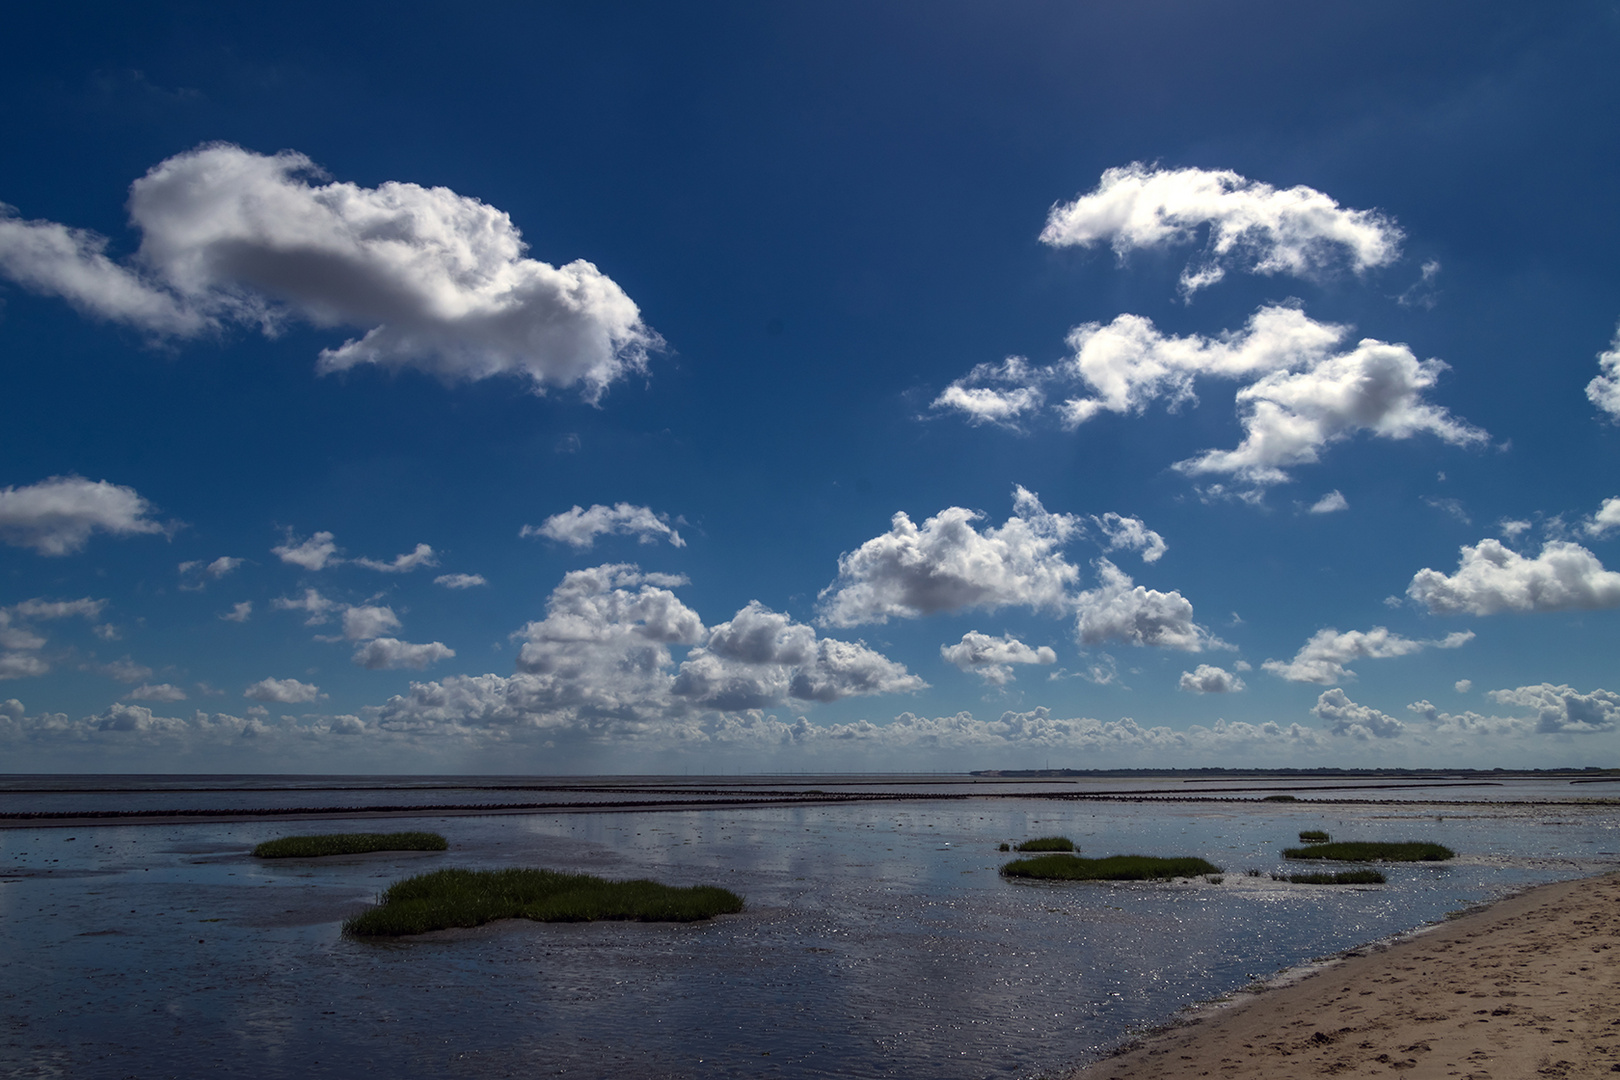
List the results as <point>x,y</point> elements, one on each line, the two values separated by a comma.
<point>878,941</point>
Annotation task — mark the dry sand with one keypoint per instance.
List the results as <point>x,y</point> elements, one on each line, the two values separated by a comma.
<point>1528,987</point>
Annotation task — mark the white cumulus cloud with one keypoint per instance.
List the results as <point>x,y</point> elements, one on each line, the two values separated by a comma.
<point>1491,578</point>
<point>1331,503</point>
<point>282,691</point>
<point>1604,391</point>
<point>602,661</point>
<point>1563,709</point>
<point>436,281</point>
<point>317,607</point>
<point>1322,659</point>
<point>423,555</point>
<point>1344,717</point>
<point>390,654</point>
<point>1289,416</point>
<point>1302,390</point>
<point>315,553</point>
<point>1120,610</point>
<point>992,658</point>
<point>57,516</point>
<point>1605,521</point>
<point>579,528</point>
<point>1132,534</point>
<point>1209,679</point>
<point>460,581</point>
<point>948,564</point>
<point>1251,225</point>
<point>368,621</point>
<point>156,692</point>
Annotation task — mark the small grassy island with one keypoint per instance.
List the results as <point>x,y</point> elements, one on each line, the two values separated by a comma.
<point>1047,843</point>
<point>1314,836</point>
<point>464,898</point>
<point>306,847</point>
<point>1358,851</point>
<point>1113,868</point>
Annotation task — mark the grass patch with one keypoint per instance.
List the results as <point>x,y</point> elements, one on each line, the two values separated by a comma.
<point>1279,798</point>
<point>1113,868</point>
<point>1357,851</point>
<point>1346,877</point>
<point>1314,836</point>
<point>1047,843</point>
<point>303,847</point>
<point>447,898</point>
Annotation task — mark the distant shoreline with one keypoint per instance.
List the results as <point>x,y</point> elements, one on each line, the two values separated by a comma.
<point>721,801</point>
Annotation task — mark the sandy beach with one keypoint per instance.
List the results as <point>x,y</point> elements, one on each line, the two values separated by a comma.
<point>1527,987</point>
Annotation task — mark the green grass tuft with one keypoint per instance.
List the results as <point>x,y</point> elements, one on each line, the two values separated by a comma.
<point>1358,851</point>
<point>1346,877</point>
<point>1047,843</point>
<point>1314,836</point>
<point>304,847</point>
<point>1112,868</point>
<point>447,898</point>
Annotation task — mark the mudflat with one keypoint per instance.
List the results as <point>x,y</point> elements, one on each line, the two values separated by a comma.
<point>1526,987</point>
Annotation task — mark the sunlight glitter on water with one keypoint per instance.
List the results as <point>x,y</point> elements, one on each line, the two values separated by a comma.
<point>879,939</point>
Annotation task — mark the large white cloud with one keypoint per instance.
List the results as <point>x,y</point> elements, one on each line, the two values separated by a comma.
<point>603,656</point>
<point>1344,717</point>
<point>436,280</point>
<point>992,658</point>
<point>949,565</point>
<point>368,621</point>
<point>1554,709</point>
<point>1288,417</point>
<point>57,516</point>
<point>282,691</point>
<point>56,260</point>
<point>1126,365</point>
<point>1604,391</point>
<point>1322,659</point>
<point>392,654</point>
<point>1120,610</point>
<point>1303,390</point>
<point>579,527</point>
<point>1251,225</point>
<point>1563,709</point>
<point>1209,679</point>
<point>1605,521</point>
<point>1492,578</point>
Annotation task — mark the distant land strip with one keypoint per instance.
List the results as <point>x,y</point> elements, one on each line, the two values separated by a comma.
<point>175,816</point>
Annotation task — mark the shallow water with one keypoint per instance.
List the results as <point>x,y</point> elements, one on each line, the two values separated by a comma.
<point>878,940</point>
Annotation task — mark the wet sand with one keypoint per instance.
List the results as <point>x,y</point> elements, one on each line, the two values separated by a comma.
<point>1527,987</point>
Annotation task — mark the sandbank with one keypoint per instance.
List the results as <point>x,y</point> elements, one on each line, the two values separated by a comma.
<point>1526,987</point>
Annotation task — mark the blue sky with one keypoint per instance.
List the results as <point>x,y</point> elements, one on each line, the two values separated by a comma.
<point>541,390</point>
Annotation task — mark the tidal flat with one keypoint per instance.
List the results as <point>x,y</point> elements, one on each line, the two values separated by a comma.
<point>878,938</point>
